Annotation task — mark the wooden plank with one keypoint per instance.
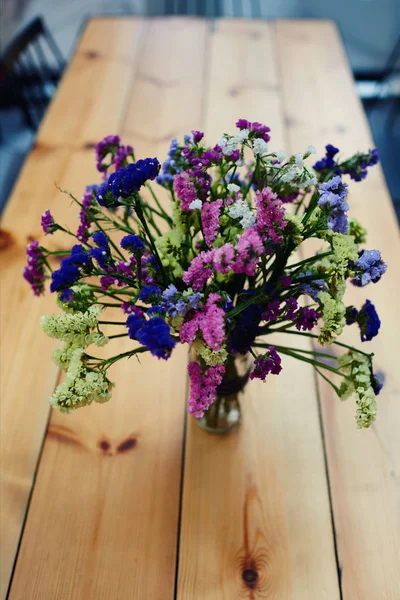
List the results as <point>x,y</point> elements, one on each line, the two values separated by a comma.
<point>27,374</point>
<point>104,512</point>
<point>322,107</point>
<point>255,512</point>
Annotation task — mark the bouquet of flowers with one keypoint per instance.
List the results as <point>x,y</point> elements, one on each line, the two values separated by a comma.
<point>213,269</point>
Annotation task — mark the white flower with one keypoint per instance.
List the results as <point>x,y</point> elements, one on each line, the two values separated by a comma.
<point>290,174</point>
<point>240,210</point>
<point>260,148</point>
<point>239,163</point>
<point>311,150</point>
<point>233,188</point>
<point>307,180</point>
<point>227,145</point>
<point>242,136</point>
<point>195,204</point>
<point>281,156</point>
<point>299,160</point>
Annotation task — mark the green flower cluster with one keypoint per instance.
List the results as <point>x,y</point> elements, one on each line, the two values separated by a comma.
<point>75,328</point>
<point>333,316</point>
<point>338,267</point>
<point>81,386</point>
<point>357,367</point>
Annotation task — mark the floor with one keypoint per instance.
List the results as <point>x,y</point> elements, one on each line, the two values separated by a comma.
<point>369,33</point>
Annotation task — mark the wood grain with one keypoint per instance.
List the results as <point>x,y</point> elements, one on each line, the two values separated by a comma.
<point>255,513</point>
<point>27,374</point>
<point>321,107</point>
<point>103,518</point>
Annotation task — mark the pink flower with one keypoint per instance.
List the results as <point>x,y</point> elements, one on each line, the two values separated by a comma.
<point>249,249</point>
<point>188,331</point>
<point>224,258</point>
<point>200,269</point>
<point>270,215</point>
<point>203,387</point>
<point>184,189</point>
<point>212,322</point>
<point>210,213</point>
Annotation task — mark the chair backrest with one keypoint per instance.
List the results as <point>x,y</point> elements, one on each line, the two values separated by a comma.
<point>30,69</point>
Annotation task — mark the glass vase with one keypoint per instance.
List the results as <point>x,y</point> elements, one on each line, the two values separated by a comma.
<point>225,413</point>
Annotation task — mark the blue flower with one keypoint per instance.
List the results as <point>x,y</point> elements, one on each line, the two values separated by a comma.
<point>133,243</point>
<point>149,293</point>
<point>170,167</point>
<point>194,300</point>
<point>155,311</point>
<point>247,328</point>
<point>79,256</point>
<point>169,293</point>
<point>100,239</point>
<point>357,166</point>
<point>130,179</point>
<point>311,288</point>
<point>367,319</point>
<point>66,295</point>
<point>155,336</point>
<point>134,323</point>
<point>370,267</point>
<point>101,255</point>
<point>332,200</point>
<point>377,381</point>
<point>69,273</point>
<point>64,277</point>
<point>328,162</point>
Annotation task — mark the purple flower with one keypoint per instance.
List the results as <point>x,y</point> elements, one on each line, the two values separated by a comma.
<point>34,270</point>
<point>291,305</point>
<point>197,136</point>
<point>120,157</point>
<point>272,311</point>
<point>48,224</point>
<point>264,365</point>
<point>306,318</point>
<point>369,267</point>
<point>84,215</point>
<point>332,200</point>
<point>257,129</point>
<point>107,145</point>
<point>132,243</point>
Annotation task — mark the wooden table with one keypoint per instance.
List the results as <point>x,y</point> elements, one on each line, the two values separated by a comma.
<point>132,500</point>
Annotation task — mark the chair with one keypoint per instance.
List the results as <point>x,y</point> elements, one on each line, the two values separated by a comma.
<point>30,69</point>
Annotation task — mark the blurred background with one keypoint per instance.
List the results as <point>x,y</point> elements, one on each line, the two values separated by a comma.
<point>38,38</point>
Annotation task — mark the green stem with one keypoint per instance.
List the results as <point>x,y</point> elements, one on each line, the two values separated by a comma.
<point>311,335</point>
<point>282,348</point>
<point>309,260</point>
<point>156,200</point>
